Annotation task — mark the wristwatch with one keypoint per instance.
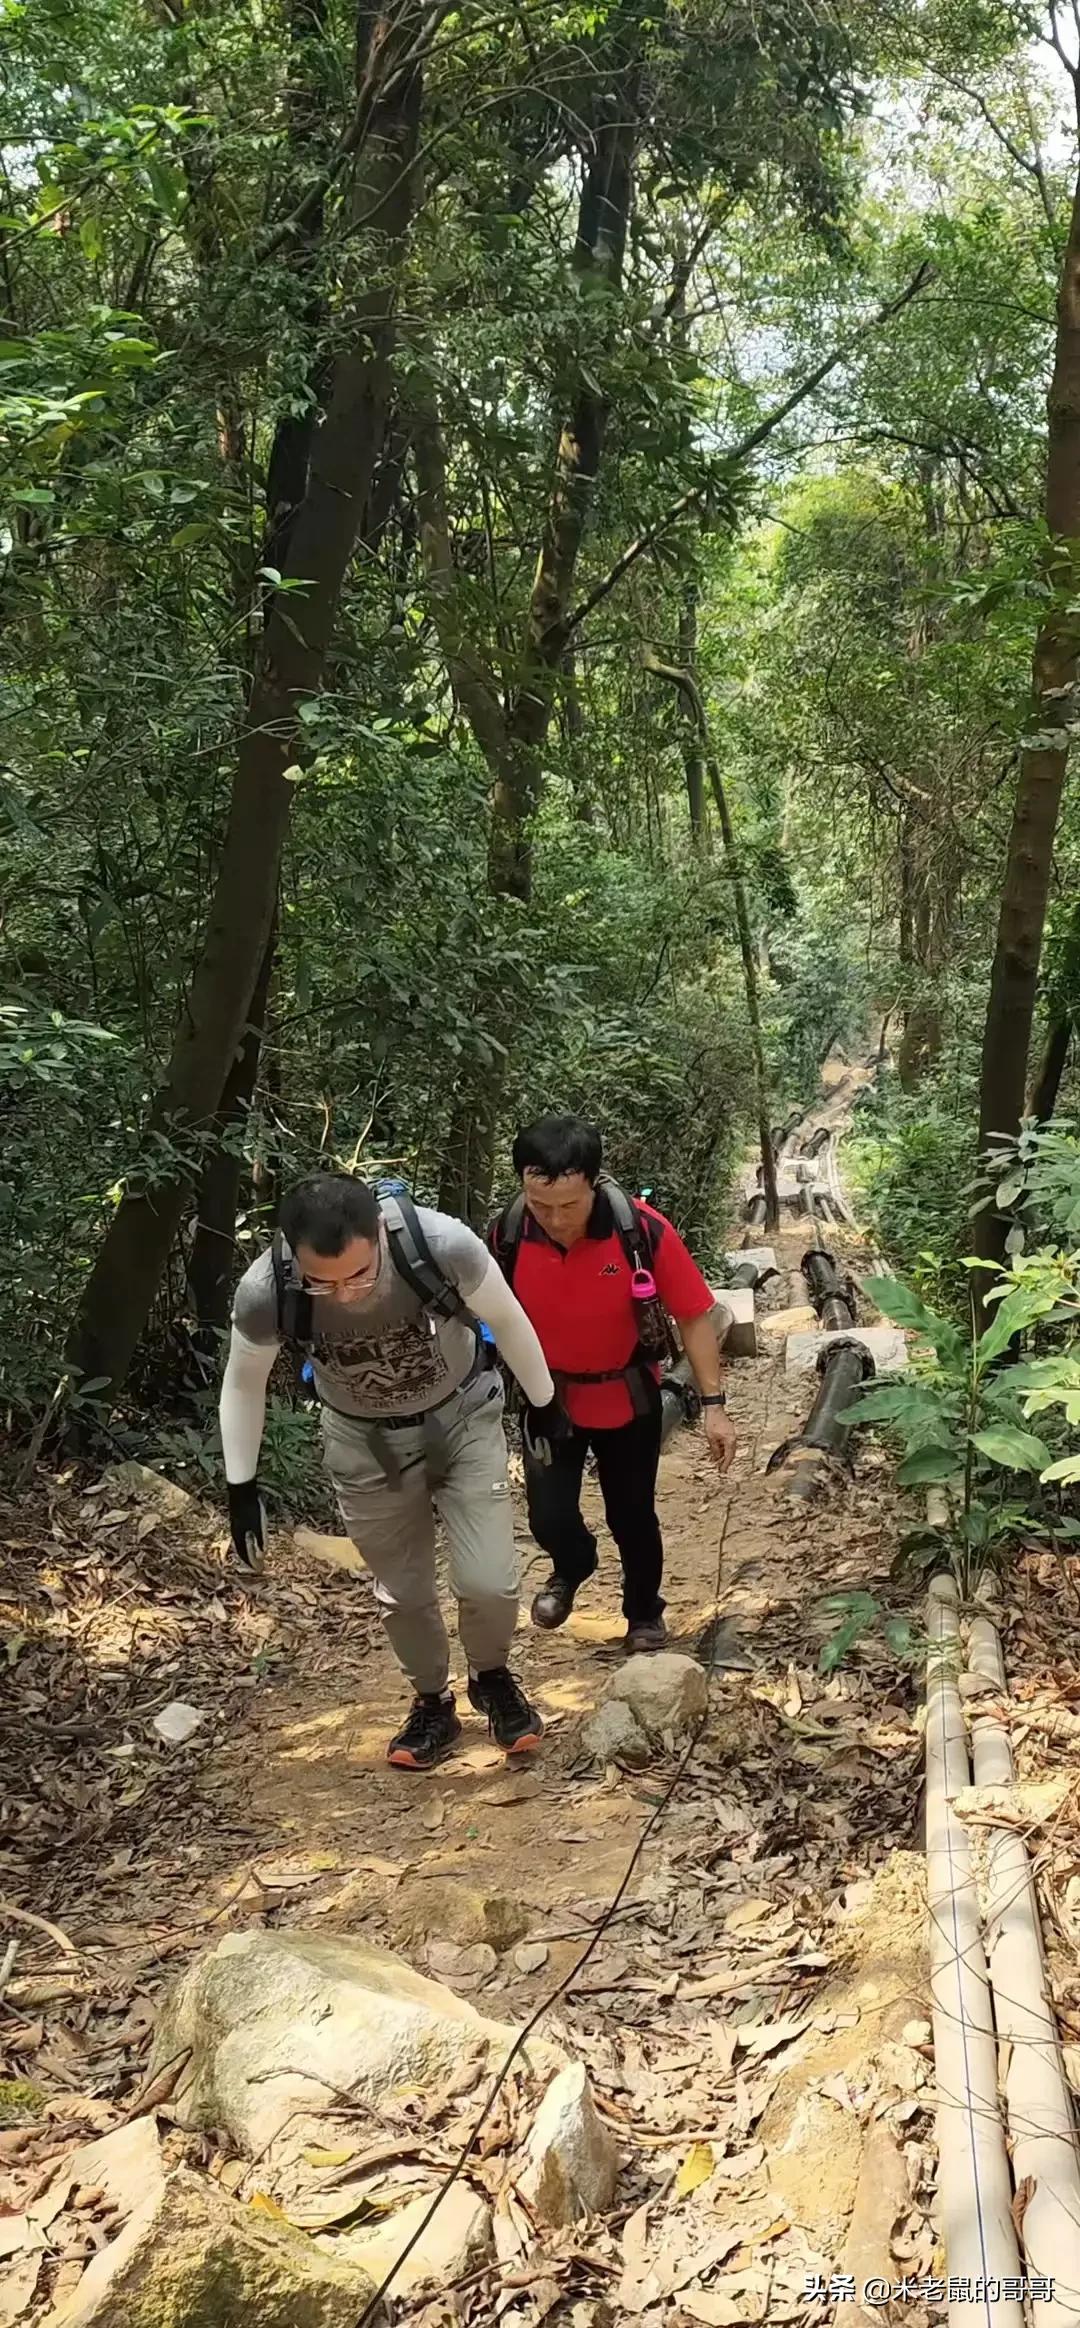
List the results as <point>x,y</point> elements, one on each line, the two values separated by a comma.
<point>713,1398</point>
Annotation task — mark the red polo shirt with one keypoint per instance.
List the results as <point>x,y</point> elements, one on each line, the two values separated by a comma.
<point>578,1299</point>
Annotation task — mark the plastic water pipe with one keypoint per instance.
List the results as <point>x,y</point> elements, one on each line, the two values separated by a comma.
<point>974,2184</point>
<point>1037,2101</point>
<point>808,1456</point>
<point>830,1293</point>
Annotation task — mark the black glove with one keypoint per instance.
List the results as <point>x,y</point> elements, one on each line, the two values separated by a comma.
<point>541,1429</point>
<point>247,1521</point>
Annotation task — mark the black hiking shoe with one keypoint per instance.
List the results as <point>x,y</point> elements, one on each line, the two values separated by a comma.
<point>428,1735</point>
<point>514,1724</point>
<point>553,1604</point>
<point>644,1640</point>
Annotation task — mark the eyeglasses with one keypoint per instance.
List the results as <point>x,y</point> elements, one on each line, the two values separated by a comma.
<point>331,1288</point>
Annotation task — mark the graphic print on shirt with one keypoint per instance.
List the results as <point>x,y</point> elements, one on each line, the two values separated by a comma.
<point>404,1363</point>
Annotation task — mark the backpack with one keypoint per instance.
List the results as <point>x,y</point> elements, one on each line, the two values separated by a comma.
<point>656,1340</point>
<point>411,1257</point>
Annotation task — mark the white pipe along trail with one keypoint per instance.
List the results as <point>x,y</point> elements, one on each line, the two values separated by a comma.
<point>1037,2101</point>
<point>974,2183</point>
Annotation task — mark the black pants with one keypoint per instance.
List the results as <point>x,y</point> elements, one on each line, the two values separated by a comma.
<point>626,1460</point>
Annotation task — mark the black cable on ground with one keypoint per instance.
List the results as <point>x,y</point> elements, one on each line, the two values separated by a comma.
<point>521,2040</point>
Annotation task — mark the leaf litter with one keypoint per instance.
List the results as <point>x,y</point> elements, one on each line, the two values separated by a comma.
<point>706,2001</point>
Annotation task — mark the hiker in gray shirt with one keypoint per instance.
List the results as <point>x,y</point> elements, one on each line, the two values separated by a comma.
<point>387,1299</point>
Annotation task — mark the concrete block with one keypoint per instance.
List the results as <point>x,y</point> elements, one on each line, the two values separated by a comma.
<point>886,1344</point>
<point>762,1256</point>
<point>740,1340</point>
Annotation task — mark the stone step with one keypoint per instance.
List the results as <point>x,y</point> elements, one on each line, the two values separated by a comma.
<point>886,1344</point>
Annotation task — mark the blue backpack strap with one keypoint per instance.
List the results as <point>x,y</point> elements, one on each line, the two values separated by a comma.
<point>414,1261</point>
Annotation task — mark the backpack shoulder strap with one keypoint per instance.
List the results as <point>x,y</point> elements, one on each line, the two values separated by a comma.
<point>292,1301</point>
<point>628,1222</point>
<point>506,1233</point>
<point>414,1261</point>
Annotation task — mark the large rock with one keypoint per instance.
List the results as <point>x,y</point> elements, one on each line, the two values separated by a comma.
<point>457,2239</point>
<point>448,1909</point>
<point>191,2258</point>
<point>283,2024</point>
<point>665,1694</point>
<point>615,1735</point>
<point>571,2163</point>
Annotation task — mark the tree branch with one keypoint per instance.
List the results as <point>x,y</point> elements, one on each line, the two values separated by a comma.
<point>736,454</point>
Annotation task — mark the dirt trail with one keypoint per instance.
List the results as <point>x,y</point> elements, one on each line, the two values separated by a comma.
<point>757,1983</point>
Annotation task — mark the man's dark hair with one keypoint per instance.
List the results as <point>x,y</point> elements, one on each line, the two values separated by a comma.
<point>555,1145</point>
<point>327,1212</point>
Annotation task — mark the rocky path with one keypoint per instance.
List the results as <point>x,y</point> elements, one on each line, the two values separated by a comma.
<point>752,2015</point>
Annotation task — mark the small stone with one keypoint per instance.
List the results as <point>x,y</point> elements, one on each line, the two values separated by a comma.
<point>664,1693</point>
<point>614,1734</point>
<point>458,2239</point>
<point>136,1483</point>
<point>178,1722</point>
<point>531,1956</point>
<point>450,1910</point>
<point>477,1962</point>
<point>571,2163</point>
<point>916,2033</point>
<point>815,2174</point>
<point>881,2195</point>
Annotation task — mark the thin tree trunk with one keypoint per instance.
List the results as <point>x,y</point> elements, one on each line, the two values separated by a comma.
<point>693,758</point>
<point>1041,775</point>
<point>122,1285</point>
<point>213,1252</point>
<point>686,682</point>
<point>1047,1084</point>
<point>603,221</point>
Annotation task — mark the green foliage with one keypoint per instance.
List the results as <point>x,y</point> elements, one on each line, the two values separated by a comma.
<point>960,1418</point>
<point>909,1161</point>
<point>861,1616</point>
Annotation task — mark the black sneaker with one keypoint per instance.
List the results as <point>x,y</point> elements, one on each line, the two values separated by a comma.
<point>428,1735</point>
<point>514,1724</point>
<point>553,1604</point>
<point>645,1639</point>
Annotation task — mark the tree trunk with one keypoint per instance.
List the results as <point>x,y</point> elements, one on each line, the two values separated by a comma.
<point>122,1285</point>
<point>1041,775</point>
<point>693,757</point>
<point>468,1166</point>
<point>603,220</point>
<point>686,682</point>
<point>213,1252</point>
<point>1047,1084</point>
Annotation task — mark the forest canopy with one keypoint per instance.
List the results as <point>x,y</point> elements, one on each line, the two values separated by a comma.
<point>537,570</point>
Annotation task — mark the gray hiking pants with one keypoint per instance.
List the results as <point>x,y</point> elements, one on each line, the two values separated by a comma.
<point>455,1466</point>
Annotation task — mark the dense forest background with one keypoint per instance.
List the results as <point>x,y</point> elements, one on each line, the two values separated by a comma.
<point>526,536</point>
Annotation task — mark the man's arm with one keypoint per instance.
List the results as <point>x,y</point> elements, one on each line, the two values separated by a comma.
<point>682,1287</point>
<point>515,1337</point>
<point>242,1408</point>
<point>703,1350</point>
<point>242,1414</point>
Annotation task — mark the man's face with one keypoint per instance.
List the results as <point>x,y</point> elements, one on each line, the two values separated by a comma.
<point>345,1276</point>
<point>561,1206</point>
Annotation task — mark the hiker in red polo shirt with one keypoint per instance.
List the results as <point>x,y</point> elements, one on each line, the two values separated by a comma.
<point>594,1270</point>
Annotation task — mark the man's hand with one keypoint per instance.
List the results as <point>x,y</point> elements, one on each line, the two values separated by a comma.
<point>719,1435</point>
<point>541,1428</point>
<point>247,1522</point>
